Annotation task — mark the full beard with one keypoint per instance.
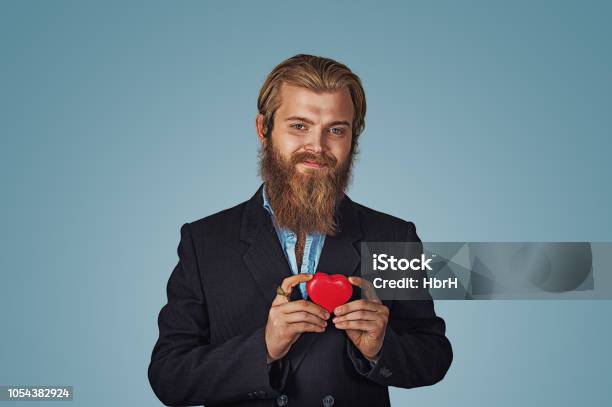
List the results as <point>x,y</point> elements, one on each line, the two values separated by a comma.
<point>304,202</point>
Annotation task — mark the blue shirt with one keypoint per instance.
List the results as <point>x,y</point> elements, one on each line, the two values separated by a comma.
<point>288,239</point>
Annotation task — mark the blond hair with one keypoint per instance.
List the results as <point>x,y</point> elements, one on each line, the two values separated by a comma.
<point>317,74</point>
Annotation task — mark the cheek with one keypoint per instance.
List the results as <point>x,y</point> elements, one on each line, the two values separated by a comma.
<point>341,150</point>
<point>285,143</point>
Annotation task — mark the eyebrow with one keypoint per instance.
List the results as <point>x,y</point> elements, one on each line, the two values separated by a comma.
<point>334,123</point>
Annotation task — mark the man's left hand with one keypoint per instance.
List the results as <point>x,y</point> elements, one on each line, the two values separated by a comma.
<point>365,320</point>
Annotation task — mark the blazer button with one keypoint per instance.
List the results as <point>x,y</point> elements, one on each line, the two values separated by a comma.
<point>282,400</point>
<point>328,401</point>
<point>385,371</point>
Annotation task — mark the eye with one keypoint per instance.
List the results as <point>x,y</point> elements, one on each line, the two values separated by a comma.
<point>298,126</point>
<point>337,131</point>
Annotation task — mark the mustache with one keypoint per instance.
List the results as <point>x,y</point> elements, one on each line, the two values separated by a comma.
<point>321,159</point>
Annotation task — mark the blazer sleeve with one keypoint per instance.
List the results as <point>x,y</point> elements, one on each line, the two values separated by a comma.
<point>186,369</point>
<point>415,350</point>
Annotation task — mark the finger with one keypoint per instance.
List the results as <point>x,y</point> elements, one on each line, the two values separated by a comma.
<point>303,305</point>
<point>356,305</point>
<point>360,315</point>
<point>366,326</point>
<point>301,327</point>
<point>303,316</point>
<point>287,285</point>
<point>367,288</point>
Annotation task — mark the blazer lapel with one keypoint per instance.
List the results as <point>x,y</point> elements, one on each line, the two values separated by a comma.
<point>340,255</point>
<point>264,258</point>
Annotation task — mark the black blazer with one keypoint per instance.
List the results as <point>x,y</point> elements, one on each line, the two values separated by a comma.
<point>211,348</point>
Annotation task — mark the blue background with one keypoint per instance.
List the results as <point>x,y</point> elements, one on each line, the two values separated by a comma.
<point>120,122</point>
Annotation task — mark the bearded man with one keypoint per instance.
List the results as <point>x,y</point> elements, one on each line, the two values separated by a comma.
<point>238,328</point>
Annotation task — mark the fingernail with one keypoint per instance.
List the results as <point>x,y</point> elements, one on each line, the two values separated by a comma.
<point>335,320</point>
<point>337,310</point>
<point>326,315</point>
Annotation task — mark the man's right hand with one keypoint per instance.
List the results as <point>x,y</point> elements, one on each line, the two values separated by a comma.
<point>287,320</point>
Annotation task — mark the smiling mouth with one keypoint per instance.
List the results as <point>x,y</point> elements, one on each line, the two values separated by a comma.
<point>312,164</point>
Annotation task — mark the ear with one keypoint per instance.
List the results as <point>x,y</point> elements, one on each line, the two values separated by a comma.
<point>260,128</point>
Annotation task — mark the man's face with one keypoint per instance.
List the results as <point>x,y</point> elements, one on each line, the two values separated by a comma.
<point>306,162</point>
<point>314,126</point>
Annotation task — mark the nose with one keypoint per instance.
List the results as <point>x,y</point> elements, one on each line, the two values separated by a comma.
<point>315,142</point>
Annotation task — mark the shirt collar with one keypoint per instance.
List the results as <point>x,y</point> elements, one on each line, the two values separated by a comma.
<point>266,203</point>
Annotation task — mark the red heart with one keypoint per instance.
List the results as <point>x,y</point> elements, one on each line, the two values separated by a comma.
<point>329,291</point>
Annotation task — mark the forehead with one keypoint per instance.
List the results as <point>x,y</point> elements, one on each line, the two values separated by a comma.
<point>298,101</point>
